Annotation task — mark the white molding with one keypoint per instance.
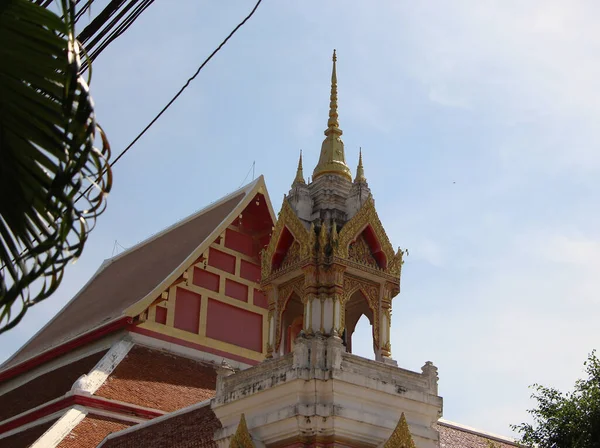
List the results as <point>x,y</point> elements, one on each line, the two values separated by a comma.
<point>186,352</point>
<point>115,415</point>
<point>33,424</point>
<point>71,393</point>
<point>61,361</point>
<point>29,411</point>
<point>156,420</point>
<point>59,430</point>
<point>92,381</point>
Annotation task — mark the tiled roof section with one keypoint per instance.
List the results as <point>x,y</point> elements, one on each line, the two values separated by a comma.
<point>91,431</point>
<point>193,429</point>
<point>25,438</point>
<point>127,279</point>
<point>45,387</point>
<point>159,380</point>
<point>454,436</point>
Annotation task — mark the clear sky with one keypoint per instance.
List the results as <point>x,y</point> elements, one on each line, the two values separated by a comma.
<point>479,127</point>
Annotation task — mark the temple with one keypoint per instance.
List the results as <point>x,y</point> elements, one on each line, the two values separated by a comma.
<point>233,328</point>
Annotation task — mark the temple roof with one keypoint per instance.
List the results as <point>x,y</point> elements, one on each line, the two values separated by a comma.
<point>455,435</point>
<point>191,427</point>
<point>138,273</point>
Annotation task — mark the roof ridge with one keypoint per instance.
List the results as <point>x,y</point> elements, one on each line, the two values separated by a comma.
<point>478,432</point>
<point>199,212</point>
<point>162,418</point>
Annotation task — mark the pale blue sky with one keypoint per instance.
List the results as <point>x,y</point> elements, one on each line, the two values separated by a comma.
<point>478,123</point>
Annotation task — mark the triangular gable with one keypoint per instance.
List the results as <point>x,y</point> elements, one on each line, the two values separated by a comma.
<point>128,282</point>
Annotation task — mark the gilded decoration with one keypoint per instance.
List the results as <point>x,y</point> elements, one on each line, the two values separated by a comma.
<point>360,252</point>
<point>287,219</point>
<point>401,437</point>
<point>367,215</point>
<point>292,256</point>
<point>323,240</point>
<point>371,293</point>
<point>283,294</point>
<point>242,437</point>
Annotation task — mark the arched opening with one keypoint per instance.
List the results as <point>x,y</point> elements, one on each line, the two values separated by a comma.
<point>291,323</point>
<point>362,338</point>
<point>357,338</point>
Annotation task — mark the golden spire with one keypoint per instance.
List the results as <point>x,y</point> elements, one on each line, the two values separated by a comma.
<point>299,173</point>
<point>332,159</point>
<point>401,437</point>
<point>242,437</point>
<point>360,171</point>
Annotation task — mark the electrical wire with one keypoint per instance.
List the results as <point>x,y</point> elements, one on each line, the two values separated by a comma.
<point>185,86</point>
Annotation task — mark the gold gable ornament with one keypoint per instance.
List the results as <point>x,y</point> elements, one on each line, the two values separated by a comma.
<point>242,437</point>
<point>401,437</point>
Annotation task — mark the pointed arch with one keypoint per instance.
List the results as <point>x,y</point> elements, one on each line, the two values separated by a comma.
<point>370,293</point>
<point>367,222</point>
<point>287,222</point>
<point>284,294</point>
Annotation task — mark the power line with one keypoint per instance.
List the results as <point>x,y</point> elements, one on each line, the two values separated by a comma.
<point>251,170</point>
<point>185,86</point>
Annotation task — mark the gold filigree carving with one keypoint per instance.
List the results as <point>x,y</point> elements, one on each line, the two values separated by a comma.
<point>395,265</point>
<point>287,219</point>
<point>386,349</point>
<point>401,437</point>
<point>366,216</point>
<point>292,256</point>
<point>323,237</point>
<point>283,295</point>
<point>360,252</point>
<point>371,293</point>
<point>242,437</point>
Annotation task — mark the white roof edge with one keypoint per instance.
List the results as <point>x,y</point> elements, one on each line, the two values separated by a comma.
<point>156,420</point>
<point>245,189</point>
<point>478,432</point>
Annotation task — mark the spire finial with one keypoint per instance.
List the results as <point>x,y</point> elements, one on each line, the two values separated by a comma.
<point>332,159</point>
<point>333,124</point>
<point>360,171</point>
<point>299,173</point>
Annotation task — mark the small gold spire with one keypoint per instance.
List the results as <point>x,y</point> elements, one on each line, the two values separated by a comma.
<point>360,171</point>
<point>299,173</point>
<point>332,159</point>
<point>242,437</point>
<point>401,437</point>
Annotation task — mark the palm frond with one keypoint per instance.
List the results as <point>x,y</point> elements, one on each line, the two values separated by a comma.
<point>48,157</point>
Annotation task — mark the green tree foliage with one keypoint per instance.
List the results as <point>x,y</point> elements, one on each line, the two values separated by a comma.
<point>566,420</point>
<point>48,157</point>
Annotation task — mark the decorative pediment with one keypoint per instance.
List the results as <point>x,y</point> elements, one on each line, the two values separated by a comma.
<point>300,247</point>
<point>352,233</point>
<point>242,437</point>
<point>401,437</point>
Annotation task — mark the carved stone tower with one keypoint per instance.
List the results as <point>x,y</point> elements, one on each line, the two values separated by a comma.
<point>328,262</point>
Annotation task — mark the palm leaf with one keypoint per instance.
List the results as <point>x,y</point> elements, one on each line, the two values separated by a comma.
<point>48,160</point>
